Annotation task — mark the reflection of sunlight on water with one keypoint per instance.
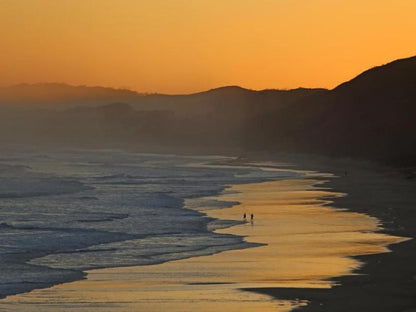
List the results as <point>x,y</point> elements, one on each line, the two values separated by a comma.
<point>306,244</point>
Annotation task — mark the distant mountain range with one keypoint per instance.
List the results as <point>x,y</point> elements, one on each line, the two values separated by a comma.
<point>371,116</point>
<point>59,96</point>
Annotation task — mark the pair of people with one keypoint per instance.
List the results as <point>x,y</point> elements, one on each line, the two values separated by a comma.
<point>251,217</point>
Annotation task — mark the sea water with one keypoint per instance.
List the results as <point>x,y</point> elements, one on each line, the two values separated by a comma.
<point>65,212</point>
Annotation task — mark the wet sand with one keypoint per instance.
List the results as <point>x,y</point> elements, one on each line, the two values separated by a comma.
<point>306,242</point>
<point>386,282</point>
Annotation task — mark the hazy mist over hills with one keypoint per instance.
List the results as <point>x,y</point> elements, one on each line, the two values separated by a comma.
<point>371,116</point>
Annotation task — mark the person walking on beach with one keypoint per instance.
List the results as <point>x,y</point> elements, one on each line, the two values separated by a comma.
<point>245,216</point>
<point>252,218</point>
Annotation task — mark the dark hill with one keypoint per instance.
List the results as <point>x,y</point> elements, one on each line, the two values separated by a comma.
<point>397,76</point>
<point>371,116</point>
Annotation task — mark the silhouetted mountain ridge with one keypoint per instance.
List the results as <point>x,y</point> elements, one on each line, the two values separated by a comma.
<point>41,95</point>
<point>62,96</point>
<point>383,76</point>
<point>371,116</point>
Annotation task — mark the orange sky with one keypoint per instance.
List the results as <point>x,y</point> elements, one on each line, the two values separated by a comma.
<point>183,46</point>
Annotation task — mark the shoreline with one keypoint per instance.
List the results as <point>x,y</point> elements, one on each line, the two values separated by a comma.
<point>385,281</point>
<point>288,303</point>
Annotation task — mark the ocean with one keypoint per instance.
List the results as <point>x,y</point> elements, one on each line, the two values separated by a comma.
<point>65,212</point>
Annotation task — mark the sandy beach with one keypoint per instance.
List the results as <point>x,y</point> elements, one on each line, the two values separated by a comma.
<point>385,281</point>
<point>304,246</point>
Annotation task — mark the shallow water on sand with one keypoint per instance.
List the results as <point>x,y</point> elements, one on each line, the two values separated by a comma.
<point>304,244</point>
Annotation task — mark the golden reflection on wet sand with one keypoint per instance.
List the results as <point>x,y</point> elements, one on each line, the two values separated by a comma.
<point>306,244</point>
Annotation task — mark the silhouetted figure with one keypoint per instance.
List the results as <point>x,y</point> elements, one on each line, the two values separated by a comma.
<point>252,218</point>
<point>245,216</point>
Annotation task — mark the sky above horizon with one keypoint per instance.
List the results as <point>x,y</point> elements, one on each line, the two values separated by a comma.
<point>179,46</point>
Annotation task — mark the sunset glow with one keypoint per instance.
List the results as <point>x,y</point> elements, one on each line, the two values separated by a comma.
<point>184,46</point>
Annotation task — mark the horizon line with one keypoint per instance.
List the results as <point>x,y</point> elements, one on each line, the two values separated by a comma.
<point>201,91</point>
